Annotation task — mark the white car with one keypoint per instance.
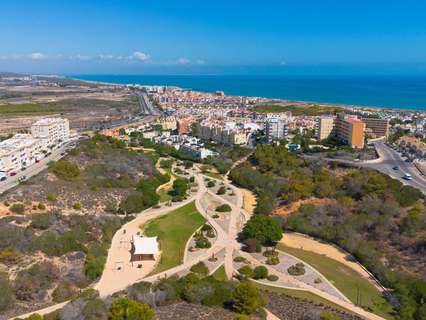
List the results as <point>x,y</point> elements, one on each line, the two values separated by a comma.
<point>407,176</point>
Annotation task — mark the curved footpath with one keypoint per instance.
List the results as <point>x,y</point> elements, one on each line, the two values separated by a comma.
<point>119,273</point>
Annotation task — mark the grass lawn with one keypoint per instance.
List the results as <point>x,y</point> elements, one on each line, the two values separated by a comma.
<point>164,195</point>
<point>220,274</point>
<point>348,281</point>
<point>299,294</point>
<point>173,231</point>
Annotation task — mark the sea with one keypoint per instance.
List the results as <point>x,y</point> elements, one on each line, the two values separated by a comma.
<point>374,91</point>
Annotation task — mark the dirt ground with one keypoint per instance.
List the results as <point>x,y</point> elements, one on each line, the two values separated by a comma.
<point>299,241</point>
<point>286,210</point>
<point>249,200</point>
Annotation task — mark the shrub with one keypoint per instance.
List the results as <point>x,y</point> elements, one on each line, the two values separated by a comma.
<point>95,310</point>
<point>329,316</point>
<point>211,184</point>
<point>51,197</point>
<point>18,208</point>
<point>206,227</point>
<point>43,221</point>
<point>274,260</point>
<point>41,206</point>
<point>240,259</point>
<point>224,208</point>
<point>65,170</point>
<point>272,277</point>
<point>6,296</point>
<point>94,266</point>
<point>202,242</point>
<point>260,272</point>
<point>221,190</point>
<point>246,299</point>
<point>77,206</point>
<point>246,271</point>
<point>296,270</point>
<point>241,317</point>
<point>200,268</point>
<point>63,292</point>
<point>124,308</point>
<point>317,280</point>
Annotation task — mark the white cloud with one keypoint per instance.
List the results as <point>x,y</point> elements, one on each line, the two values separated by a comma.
<point>200,61</point>
<point>106,56</point>
<point>37,56</point>
<point>140,56</point>
<point>184,61</point>
<point>81,57</point>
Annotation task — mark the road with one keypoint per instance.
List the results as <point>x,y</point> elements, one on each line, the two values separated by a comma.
<point>146,105</point>
<point>390,158</point>
<point>34,169</point>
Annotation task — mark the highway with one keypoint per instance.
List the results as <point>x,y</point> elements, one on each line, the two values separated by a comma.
<point>389,159</point>
<point>146,105</point>
<point>34,169</point>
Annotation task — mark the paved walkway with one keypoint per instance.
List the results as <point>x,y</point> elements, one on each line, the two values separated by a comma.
<point>119,273</point>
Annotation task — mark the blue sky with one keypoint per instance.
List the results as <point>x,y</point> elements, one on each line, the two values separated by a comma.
<point>233,36</point>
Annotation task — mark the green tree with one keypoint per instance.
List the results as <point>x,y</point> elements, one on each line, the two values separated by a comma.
<point>262,228</point>
<point>127,309</point>
<point>246,299</point>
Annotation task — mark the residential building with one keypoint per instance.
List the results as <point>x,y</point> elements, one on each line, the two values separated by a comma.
<point>324,127</point>
<point>22,150</point>
<point>346,128</point>
<point>376,127</point>
<point>52,130</point>
<point>183,126</point>
<point>275,129</point>
<point>350,130</point>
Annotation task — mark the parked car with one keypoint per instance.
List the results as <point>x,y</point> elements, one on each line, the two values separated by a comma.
<point>395,168</point>
<point>13,174</point>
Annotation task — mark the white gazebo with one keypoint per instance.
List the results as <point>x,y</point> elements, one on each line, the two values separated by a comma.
<point>144,248</point>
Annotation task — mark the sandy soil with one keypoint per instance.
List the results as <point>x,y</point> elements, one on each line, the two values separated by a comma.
<point>249,200</point>
<point>168,185</point>
<point>299,241</point>
<point>285,211</point>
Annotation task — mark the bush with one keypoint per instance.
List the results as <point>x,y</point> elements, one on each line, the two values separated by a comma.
<point>297,270</point>
<point>77,206</point>
<point>246,299</point>
<point>260,272</point>
<point>246,271</point>
<point>200,268</point>
<point>202,242</point>
<point>95,310</point>
<point>94,266</point>
<point>43,221</point>
<point>329,316</point>
<point>41,206</point>
<point>221,190</point>
<point>224,208</point>
<point>18,208</point>
<point>51,197</point>
<point>124,308</point>
<point>272,277</point>
<point>211,184</point>
<point>65,170</point>
<point>274,260</point>
<point>240,259</point>
<point>241,317</point>
<point>63,292</point>
<point>6,296</point>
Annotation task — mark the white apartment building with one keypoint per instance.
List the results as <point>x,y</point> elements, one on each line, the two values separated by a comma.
<point>23,150</point>
<point>275,129</point>
<point>52,130</point>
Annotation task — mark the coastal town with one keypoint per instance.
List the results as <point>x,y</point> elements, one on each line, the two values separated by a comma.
<point>198,200</point>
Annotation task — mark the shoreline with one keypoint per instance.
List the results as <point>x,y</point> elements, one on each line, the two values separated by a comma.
<point>299,103</point>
